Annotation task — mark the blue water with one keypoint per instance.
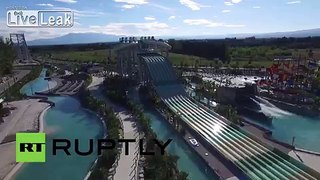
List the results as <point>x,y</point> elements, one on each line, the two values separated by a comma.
<point>286,125</point>
<point>38,84</point>
<point>66,120</point>
<point>188,161</point>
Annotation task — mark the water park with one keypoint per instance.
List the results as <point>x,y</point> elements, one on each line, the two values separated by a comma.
<point>224,123</point>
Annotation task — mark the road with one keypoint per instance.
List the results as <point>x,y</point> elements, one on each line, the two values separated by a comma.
<point>18,75</point>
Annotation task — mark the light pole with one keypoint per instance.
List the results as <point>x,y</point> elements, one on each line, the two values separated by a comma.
<point>31,89</point>
<point>48,86</point>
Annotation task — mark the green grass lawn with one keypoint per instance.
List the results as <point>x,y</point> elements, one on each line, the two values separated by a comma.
<point>240,56</point>
<point>188,60</point>
<point>255,64</point>
<point>99,56</point>
<point>176,59</point>
<point>304,53</point>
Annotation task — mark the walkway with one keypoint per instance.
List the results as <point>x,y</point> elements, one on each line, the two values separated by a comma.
<point>309,159</point>
<point>126,168</point>
<point>18,75</point>
<point>23,118</point>
<point>27,117</point>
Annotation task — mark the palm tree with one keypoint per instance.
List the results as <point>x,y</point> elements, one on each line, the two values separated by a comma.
<point>182,176</point>
<point>7,55</point>
<point>233,115</point>
<point>1,110</point>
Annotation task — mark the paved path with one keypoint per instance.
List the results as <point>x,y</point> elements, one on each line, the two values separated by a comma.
<point>96,82</point>
<point>23,118</point>
<point>18,74</point>
<point>126,165</point>
<point>260,134</point>
<point>125,169</point>
<point>308,159</point>
<point>8,156</point>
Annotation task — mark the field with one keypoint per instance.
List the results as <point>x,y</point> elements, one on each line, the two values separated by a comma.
<point>99,56</point>
<point>268,53</point>
<point>186,60</point>
<point>303,52</point>
<point>261,56</point>
<point>253,64</point>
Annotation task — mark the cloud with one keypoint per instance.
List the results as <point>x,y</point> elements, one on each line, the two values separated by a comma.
<point>225,11</point>
<point>132,2</point>
<point>256,7</point>
<point>79,13</point>
<point>128,6</point>
<point>232,2</point>
<point>161,7</point>
<point>171,17</point>
<point>227,3</point>
<point>127,29</point>
<point>149,28</point>
<point>234,25</point>
<point>149,18</point>
<point>208,23</point>
<point>203,22</point>
<point>36,33</point>
<point>67,1</point>
<point>43,4</point>
<point>236,1</point>
<point>293,2</point>
<point>77,23</point>
<point>194,6</point>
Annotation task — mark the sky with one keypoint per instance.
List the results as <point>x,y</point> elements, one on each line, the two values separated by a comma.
<point>170,17</point>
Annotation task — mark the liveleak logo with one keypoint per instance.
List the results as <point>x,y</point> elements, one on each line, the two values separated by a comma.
<point>30,147</point>
<point>40,18</point>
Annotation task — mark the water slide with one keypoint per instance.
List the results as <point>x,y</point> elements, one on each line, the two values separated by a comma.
<point>268,108</point>
<point>264,101</point>
<point>254,159</point>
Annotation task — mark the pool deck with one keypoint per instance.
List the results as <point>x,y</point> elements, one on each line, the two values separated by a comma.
<point>28,116</point>
<point>308,158</point>
<point>96,81</point>
<point>259,133</point>
<point>23,118</point>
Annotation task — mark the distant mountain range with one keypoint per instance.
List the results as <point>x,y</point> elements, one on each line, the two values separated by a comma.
<point>300,33</point>
<point>75,38</point>
<point>78,38</point>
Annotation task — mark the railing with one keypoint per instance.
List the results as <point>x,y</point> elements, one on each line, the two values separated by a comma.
<point>114,166</point>
<point>104,137</point>
<point>113,169</point>
<point>216,171</point>
<point>134,165</point>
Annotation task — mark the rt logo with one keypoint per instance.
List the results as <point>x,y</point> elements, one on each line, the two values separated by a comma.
<point>30,147</point>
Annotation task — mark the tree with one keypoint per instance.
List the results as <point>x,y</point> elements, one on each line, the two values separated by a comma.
<point>7,56</point>
<point>1,110</point>
<point>181,64</point>
<point>182,176</point>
